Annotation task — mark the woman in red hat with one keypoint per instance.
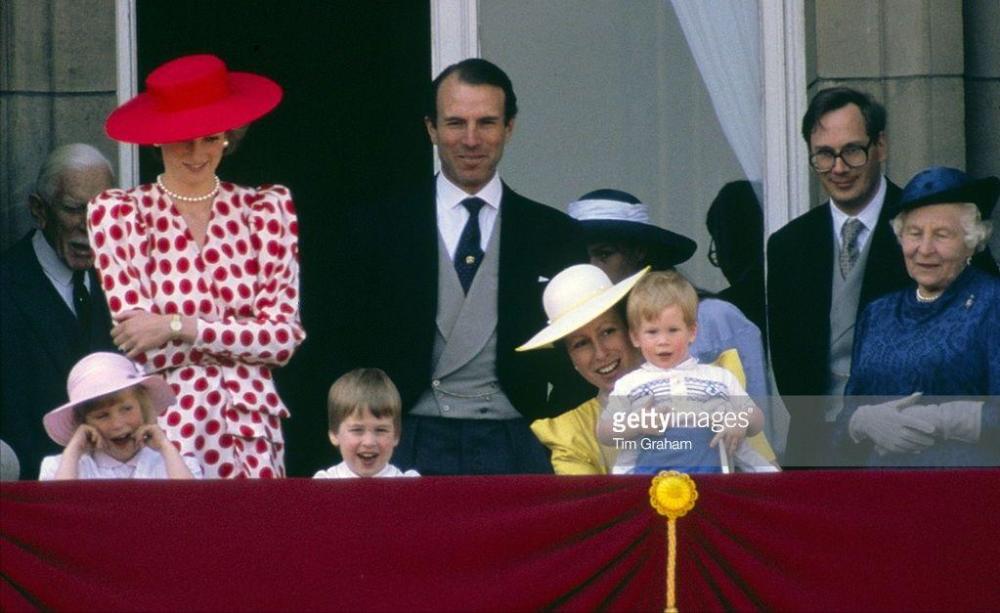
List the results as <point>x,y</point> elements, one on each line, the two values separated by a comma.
<point>202,275</point>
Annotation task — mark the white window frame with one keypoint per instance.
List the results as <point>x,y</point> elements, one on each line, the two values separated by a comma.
<point>455,36</point>
<point>786,170</point>
<point>126,54</point>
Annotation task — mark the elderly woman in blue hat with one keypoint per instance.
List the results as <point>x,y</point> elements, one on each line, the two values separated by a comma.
<point>932,347</point>
<point>621,241</point>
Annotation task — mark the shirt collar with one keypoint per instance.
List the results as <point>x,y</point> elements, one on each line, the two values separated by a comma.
<point>55,268</point>
<point>104,460</point>
<point>868,215</point>
<point>450,195</point>
<point>687,364</point>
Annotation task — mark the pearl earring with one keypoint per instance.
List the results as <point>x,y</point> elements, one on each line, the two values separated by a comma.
<point>225,144</point>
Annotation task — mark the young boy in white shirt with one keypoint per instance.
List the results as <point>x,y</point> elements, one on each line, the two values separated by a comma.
<point>365,415</point>
<point>672,412</point>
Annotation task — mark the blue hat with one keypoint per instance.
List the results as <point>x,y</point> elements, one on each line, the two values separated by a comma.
<point>617,216</point>
<point>943,185</point>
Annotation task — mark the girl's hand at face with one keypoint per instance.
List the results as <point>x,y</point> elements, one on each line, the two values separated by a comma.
<point>85,439</point>
<point>150,435</point>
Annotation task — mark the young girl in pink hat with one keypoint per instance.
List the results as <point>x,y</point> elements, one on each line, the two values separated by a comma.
<point>109,425</point>
<point>202,275</point>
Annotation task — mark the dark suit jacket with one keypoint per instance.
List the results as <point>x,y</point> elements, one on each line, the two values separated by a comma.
<point>387,318</point>
<point>40,344</point>
<point>799,281</point>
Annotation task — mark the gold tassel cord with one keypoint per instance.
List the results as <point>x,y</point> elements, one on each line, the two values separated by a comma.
<point>672,494</point>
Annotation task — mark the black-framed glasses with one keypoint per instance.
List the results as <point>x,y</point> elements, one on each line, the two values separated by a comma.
<point>853,156</point>
<point>713,257</point>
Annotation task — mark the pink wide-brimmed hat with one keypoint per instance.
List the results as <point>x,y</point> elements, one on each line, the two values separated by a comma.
<point>190,97</point>
<point>96,375</point>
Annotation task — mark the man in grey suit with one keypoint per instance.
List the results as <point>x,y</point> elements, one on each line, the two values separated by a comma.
<point>52,309</point>
<point>825,266</point>
<point>444,282</point>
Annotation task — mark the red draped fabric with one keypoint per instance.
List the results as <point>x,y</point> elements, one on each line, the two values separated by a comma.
<point>794,541</point>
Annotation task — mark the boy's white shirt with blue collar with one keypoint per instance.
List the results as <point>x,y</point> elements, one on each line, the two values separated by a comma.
<point>692,380</point>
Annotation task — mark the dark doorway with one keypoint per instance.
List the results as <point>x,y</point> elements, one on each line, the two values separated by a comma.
<point>348,131</point>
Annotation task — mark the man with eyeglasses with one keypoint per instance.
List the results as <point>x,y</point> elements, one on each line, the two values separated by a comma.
<point>825,266</point>
<point>52,309</point>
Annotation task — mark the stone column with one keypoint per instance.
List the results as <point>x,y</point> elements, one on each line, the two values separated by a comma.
<point>57,85</point>
<point>982,86</point>
<point>909,55</point>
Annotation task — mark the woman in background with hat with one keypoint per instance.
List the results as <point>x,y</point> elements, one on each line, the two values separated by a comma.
<point>201,275</point>
<point>935,345</point>
<point>621,240</point>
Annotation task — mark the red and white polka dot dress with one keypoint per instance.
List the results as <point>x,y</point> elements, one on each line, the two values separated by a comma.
<point>242,285</point>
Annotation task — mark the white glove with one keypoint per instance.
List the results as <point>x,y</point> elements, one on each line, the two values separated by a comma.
<point>961,420</point>
<point>890,429</point>
<point>958,420</point>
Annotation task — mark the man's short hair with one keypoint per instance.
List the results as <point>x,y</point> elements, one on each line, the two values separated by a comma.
<point>360,390</point>
<point>657,291</point>
<point>76,156</point>
<point>833,98</point>
<point>476,71</point>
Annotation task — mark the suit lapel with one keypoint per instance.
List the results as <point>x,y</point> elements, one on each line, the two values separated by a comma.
<point>817,289</point>
<point>514,284</point>
<point>100,318</point>
<point>885,261</point>
<point>43,308</point>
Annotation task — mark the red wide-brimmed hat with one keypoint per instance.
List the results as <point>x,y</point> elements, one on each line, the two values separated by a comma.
<point>190,97</point>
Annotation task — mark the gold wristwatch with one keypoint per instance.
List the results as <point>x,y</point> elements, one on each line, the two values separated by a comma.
<point>175,325</point>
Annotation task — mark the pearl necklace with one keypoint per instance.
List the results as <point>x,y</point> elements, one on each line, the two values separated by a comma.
<point>176,196</point>
<point>922,298</point>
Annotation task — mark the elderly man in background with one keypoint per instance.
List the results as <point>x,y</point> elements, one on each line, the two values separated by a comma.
<point>52,309</point>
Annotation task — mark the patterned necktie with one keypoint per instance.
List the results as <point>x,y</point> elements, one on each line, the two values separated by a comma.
<point>469,254</point>
<point>81,301</point>
<point>849,245</point>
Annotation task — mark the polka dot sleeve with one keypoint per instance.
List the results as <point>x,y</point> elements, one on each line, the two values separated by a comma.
<point>266,327</point>
<point>121,240</point>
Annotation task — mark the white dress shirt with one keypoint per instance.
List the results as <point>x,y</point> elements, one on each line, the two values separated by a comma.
<point>147,464</point>
<point>451,215</point>
<point>868,217</point>
<point>58,272</point>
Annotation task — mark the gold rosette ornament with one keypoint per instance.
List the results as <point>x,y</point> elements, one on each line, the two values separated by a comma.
<point>672,494</point>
